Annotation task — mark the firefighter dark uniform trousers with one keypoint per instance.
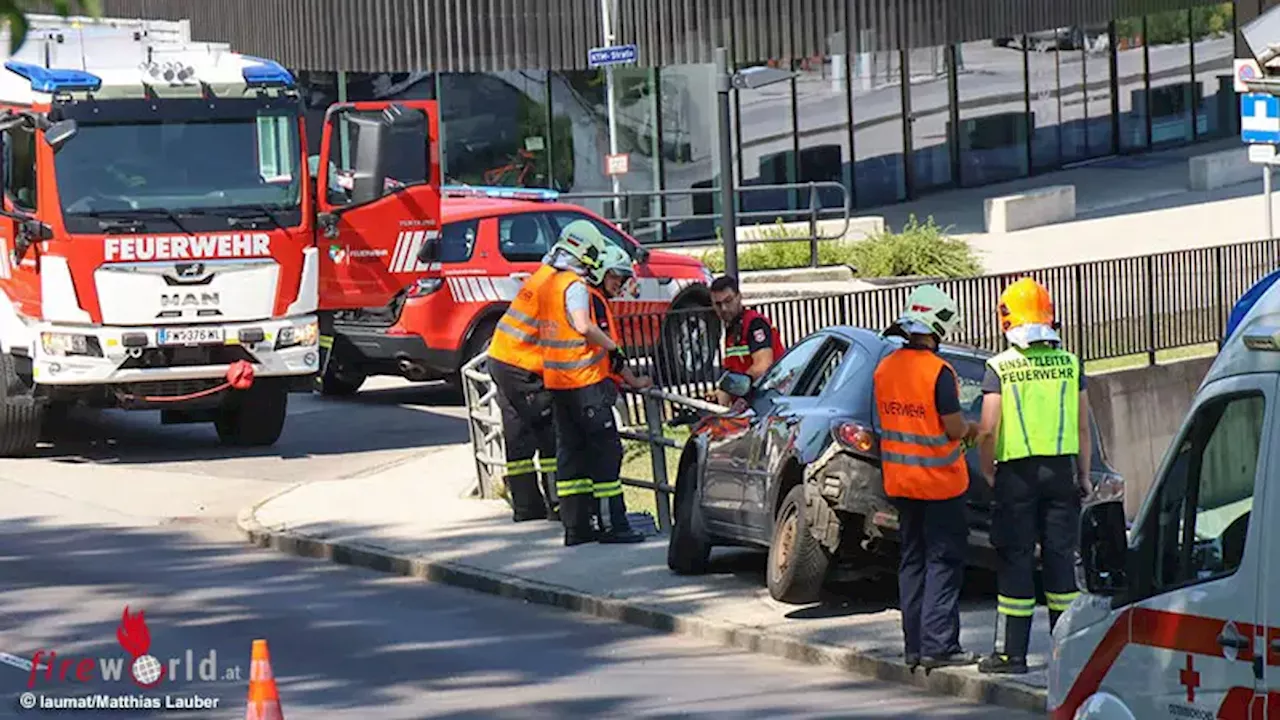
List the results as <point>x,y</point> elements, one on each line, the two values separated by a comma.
<point>589,449</point>
<point>515,364</point>
<point>926,476</point>
<point>1037,498</point>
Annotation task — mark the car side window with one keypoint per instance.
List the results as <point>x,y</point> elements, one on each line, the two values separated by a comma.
<point>525,237</point>
<point>1200,517</point>
<point>782,377</point>
<point>20,168</point>
<point>824,369</point>
<point>969,372</point>
<point>458,241</point>
<point>563,218</point>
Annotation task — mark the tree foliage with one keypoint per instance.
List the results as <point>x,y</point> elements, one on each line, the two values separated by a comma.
<point>14,13</point>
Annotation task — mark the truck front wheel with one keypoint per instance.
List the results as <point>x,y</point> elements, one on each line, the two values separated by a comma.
<point>253,417</point>
<point>21,413</point>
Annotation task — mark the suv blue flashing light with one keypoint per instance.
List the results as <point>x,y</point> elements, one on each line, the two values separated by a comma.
<point>501,193</point>
<point>1247,301</point>
<point>267,73</point>
<point>55,80</point>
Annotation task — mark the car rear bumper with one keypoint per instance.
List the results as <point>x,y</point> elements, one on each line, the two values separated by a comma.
<point>374,350</point>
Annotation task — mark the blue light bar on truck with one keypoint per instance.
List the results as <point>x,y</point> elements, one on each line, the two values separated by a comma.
<point>1247,301</point>
<point>267,73</point>
<point>500,193</point>
<point>53,80</point>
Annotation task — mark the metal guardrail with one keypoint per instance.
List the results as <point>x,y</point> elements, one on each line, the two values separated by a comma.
<point>631,211</point>
<point>489,447</point>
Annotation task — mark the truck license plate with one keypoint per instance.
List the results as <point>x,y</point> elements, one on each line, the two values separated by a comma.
<point>190,336</point>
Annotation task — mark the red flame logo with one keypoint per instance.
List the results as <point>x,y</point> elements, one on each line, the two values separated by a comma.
<point>133,634</point>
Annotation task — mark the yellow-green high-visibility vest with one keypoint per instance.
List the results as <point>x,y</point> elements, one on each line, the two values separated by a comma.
<point>1040,402</point>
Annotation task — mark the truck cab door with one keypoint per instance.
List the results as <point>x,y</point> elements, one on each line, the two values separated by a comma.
<point>378,200</point>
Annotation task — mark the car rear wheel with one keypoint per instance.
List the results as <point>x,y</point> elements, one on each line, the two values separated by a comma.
<point>798,563</point>
<point>477,344</point>
<point>338,381</point>
<point>689,549</point>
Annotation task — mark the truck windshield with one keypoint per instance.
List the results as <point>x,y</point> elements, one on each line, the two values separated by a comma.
<point>175,166</point>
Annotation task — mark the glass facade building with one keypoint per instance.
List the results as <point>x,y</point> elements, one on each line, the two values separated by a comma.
<point>893,98</point>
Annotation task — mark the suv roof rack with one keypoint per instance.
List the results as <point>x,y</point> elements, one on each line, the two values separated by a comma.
<point>500,193</point>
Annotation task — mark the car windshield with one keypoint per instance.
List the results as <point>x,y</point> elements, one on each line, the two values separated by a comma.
<point>171,167</point>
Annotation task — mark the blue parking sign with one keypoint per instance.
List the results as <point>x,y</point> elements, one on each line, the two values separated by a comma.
<point>1260,118</point>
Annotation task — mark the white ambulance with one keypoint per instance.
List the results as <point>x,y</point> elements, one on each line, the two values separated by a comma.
<point>1180,617</point>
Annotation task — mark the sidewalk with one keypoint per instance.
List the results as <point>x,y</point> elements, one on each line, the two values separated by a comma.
<point>413,519</point>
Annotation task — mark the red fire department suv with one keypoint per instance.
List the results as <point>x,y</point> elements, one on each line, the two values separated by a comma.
<point>491,239</point>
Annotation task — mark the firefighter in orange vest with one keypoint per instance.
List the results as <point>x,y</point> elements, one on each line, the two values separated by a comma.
<point>580,362</point>
<point>515,364</point>
<point>923,438</point>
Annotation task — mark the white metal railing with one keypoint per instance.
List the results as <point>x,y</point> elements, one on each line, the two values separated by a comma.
<point>484,421</point>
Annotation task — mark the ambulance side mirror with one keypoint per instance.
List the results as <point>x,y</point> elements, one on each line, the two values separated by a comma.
<point>1104,548</point>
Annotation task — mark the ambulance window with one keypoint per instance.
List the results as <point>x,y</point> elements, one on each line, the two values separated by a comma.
<point>20,168</point>
<point>524,237</point>
<point>1202,513</point>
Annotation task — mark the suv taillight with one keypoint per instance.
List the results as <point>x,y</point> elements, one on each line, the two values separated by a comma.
<point>856,437</point>
<point>424,286</point>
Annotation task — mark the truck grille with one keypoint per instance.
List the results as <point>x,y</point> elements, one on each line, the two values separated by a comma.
<point>167,388</point>
<point>187,357</point>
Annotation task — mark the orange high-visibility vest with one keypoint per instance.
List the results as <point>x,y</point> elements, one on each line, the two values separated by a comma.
<point>918,460</point>
<point>608,321</point>
<point>515,340</point>
<point>568,360</point>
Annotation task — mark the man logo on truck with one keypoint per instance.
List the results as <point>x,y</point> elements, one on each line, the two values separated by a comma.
<point>189,300</point>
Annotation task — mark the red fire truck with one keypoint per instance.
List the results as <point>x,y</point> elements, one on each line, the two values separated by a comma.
<point>490,240</point>
<point>159,243</point>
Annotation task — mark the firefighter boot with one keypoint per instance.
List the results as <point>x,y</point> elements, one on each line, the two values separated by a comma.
<point>614,527</point>
<point>1013,635</point>
<point>575,513</point>
<point>548,470</point>
<point>526,498</point>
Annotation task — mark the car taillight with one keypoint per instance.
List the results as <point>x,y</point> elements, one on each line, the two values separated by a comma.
<point>856,437</point>
<point>424,286</point>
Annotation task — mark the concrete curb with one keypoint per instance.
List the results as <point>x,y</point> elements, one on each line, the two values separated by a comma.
<point>992,691</point>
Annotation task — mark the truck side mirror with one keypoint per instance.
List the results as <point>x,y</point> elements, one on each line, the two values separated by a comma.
<point>57,134</point>
<point>1104,548</point>
<point>735,384</point>
<point>370,162</point>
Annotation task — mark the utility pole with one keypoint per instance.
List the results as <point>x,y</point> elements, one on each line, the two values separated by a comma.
<point>728,202</point>
<point>608,16</point>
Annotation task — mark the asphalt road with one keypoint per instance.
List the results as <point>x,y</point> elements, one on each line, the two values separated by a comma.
<point>129,513</point>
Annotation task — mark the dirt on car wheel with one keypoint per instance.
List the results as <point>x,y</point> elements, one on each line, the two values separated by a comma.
<point>798,563</point>
<point>21,413</point>
<point>689,549</point>
<point>253,417</point>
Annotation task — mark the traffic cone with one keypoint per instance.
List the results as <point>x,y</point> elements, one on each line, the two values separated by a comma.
<point>264,699</point>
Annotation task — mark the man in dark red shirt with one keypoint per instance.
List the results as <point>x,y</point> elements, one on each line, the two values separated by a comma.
<point>751,344</point>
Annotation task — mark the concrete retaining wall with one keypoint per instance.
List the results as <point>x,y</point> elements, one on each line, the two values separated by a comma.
<point>1033,208</point>
<point>1221,169</point>
<point>1139,412</point>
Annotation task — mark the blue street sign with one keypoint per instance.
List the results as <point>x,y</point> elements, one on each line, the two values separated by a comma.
<point>1260,118</point>
<point>616,55</point>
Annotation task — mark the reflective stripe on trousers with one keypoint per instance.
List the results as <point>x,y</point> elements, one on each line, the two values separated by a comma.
<point>519,467</point>
<point>607,489</point>
<point>547,465</point>
<point>568,488</point>
<point>1015,607</point>
<point>1059,602</point>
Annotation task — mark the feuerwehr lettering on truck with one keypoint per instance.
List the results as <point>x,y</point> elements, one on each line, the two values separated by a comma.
<point>186,247</point>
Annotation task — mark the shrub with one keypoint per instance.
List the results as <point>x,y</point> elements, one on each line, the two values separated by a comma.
<point>920,249</point>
